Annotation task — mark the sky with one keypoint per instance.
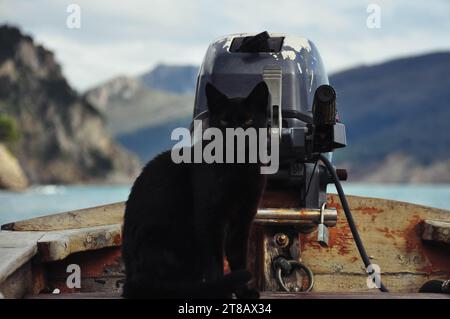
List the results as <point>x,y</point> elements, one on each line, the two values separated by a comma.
<point>130,37</point>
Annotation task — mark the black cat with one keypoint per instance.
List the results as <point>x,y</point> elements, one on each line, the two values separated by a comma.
<point>181,218</point>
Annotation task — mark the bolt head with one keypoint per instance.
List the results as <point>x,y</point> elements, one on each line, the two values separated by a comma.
<point>282,239</point>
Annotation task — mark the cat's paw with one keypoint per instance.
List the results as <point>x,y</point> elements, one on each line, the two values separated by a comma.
<point>230,282</point>
<point>247,293</point>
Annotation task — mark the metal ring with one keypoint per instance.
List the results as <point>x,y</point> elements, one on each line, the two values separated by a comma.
<point>295,265</point>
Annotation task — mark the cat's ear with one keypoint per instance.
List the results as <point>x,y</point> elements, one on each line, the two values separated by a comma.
<point>214,98</point>
<point>258,99</point>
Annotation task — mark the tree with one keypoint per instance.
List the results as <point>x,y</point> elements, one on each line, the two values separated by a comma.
<point>8,129</point>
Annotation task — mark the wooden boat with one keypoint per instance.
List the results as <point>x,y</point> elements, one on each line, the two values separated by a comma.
<point>410,243</point>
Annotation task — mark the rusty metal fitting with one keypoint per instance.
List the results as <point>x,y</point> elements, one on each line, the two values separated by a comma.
<point>281,239</point>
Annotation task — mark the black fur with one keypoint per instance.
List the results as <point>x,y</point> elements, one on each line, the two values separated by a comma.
<point>181,219</point>
<point>437,286</point>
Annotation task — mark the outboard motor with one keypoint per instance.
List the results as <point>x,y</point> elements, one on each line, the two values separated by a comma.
<point>303,117</point>
<point>302,104</point>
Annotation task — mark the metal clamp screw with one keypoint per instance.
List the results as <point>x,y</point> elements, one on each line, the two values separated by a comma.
<point>281,239</point>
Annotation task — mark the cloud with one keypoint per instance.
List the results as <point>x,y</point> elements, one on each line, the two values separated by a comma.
<point>88,64</point>
<point>129,37</point>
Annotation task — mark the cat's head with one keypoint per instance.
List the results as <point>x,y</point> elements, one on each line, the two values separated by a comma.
<point>244,112</point>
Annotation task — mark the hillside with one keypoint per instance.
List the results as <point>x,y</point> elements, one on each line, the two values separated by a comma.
<point>142,111</point>
<point>397,110</point>
<point>62,136</point>
<point>129,105</point>
<point>149,141</point>
<point>179,79</point>
<point>396,113</point>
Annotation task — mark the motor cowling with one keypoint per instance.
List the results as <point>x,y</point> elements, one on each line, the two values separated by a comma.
<point>293,71</point>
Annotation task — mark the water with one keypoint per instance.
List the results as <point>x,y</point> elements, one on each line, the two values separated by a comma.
<point>44,200</point>
<point>50,199</point>
<point>429,195</point>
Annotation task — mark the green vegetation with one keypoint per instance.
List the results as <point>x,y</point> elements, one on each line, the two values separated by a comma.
<point>9,132</point>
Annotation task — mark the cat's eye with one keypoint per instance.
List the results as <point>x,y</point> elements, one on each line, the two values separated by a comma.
<point>248,122</point>
<point>223,123</point>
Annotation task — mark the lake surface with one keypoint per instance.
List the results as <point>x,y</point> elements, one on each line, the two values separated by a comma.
<point>44,200</point>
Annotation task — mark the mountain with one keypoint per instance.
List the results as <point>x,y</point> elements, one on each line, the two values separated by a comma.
<point>129,105</point>
<point>141,118</point>
<point>180,79</point>
<point>63,138</point>
<point>397,111</point>
<point>396,114</point>
<point>149,141</point>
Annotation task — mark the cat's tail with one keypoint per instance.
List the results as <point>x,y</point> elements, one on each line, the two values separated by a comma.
<point>144,287</point>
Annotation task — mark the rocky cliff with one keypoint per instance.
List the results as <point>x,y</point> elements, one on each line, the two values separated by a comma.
<point>11,174</point>
<point>128,104</point>
<point>63,139</point>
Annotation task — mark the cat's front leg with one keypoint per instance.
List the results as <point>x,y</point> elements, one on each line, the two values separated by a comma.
<point>236,249</point>
<point>210,242</point>
<point>209,224</point>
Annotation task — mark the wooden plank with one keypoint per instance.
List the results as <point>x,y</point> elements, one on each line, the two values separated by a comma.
<point>357,283</point>
<point>437,231</point>
<point>88,217</point>
<point>264,295</point>
<point>11,239</point>
<point>12,259</point>
<point>390,231</point>
<point>57,245</point>
<point>113,214</point>
<point>277,295</point>
<point>77,295</point>
<point>18,284</point>
<point>16,249</point>
<point>101,271</point>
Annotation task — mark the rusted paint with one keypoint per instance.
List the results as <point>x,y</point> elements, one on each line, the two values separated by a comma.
<point>333,201</point>
<point>371,211</point>
<point>97,267</point>
<point>392,239</point>
<point>354,259</point>
<point>39,278</point>
<point>341,238</point>
<point>438,256</point>
<point>226,266</point>
<point>93,263</point>
<point>411,234</point>
<point>117,239</point>
<point>386,232</point>
<point>409,240</point>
